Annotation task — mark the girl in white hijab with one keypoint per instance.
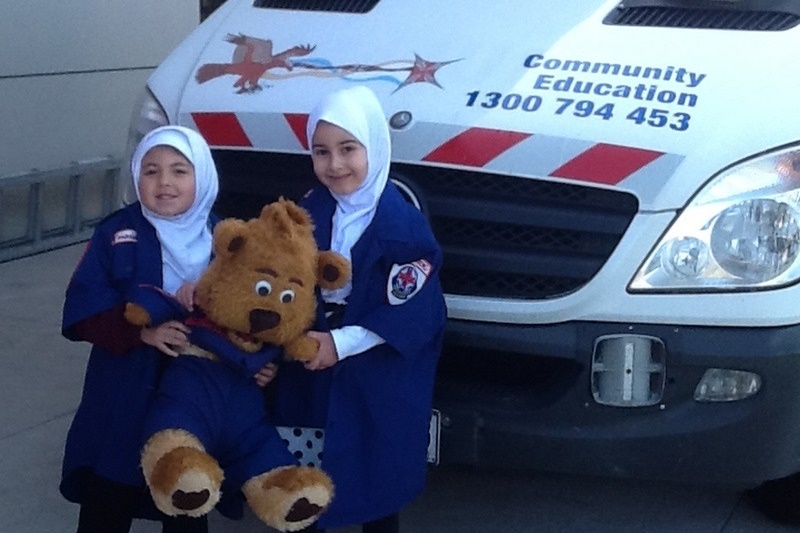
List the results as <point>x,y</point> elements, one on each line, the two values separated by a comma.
<point>350,150</point>
<point>176,183</point>
<point>371,383</point>
<point>184,235</point>
<point>358,112</point>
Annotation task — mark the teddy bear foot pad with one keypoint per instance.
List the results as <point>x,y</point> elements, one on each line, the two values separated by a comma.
<point>289,498</point>
<point>302,510</point>
<point>188,501</point>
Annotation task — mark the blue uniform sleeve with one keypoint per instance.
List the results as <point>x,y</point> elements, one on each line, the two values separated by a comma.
<point>159,304</point>
<point>414,323</point>
<point>91,289</point>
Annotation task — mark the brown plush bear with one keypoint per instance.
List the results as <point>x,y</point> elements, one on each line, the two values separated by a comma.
<point>259,288</point>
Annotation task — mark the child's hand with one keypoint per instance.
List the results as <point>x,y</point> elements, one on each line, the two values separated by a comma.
<point>266,374</point>
<point>168,337</point>
<point>326,356</point>
<point>185,294</point>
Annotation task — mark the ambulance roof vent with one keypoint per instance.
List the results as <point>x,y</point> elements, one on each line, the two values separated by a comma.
<point>338,6</point>
<point>743,15</point>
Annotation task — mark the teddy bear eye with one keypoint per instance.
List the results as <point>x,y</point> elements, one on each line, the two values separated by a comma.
<point>263,288</point>
<point>287,296</point>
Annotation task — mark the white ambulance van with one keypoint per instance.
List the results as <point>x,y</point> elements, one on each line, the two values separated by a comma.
<point>615,186</point>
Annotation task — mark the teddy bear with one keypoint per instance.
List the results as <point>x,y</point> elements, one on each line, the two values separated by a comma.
<point>208,428</point>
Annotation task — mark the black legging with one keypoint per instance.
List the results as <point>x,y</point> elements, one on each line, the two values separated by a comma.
<point>388,524</point>
<point>108,507</point>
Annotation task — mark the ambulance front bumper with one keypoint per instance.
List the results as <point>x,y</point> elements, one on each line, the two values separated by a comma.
<point>527,397</point>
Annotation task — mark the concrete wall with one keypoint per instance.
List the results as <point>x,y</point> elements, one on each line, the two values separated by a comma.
<point>71,71</point>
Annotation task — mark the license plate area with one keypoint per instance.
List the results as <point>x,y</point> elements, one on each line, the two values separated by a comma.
<point>628,370</point>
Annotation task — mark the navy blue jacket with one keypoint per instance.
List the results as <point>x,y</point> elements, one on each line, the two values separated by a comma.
<point>375,406</point>
<point>106,434</point>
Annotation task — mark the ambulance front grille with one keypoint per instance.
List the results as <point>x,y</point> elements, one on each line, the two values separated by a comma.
<point>502,236</point>
<point>698,17</point>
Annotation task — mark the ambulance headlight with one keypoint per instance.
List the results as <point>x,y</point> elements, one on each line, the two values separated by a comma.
<point>685,257</point>
<point>741,231</point>
<point>756,240</point>
<point>147,116</point>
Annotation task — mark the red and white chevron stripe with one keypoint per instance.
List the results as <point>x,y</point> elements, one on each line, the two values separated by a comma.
<point>492,149</point>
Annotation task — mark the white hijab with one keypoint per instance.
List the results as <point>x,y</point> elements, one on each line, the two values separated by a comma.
<point>186,238</point>
<point>357,110</point>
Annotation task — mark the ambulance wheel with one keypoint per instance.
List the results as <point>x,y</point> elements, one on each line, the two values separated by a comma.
<point>778,499</point>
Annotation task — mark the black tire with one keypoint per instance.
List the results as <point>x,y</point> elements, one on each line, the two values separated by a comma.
<point>778,500</point>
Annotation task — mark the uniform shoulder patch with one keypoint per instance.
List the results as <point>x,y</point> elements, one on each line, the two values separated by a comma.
<point>406,280</point>
<point>124,235</point>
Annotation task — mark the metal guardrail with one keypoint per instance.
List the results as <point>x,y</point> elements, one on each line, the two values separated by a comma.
<point>42,210</point>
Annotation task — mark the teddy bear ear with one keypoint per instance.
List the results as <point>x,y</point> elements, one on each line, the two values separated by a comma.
<point>229,237</point>
<point>286,217</point>
<point>299,216</point>
<point>333,270</point>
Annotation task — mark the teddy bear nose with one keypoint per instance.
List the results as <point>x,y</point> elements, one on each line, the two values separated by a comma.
<point>261,319</point>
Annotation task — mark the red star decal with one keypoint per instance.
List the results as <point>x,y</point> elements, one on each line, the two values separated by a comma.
<point>424,72</point>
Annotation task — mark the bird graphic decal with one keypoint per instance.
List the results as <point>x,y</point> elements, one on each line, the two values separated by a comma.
<point>252,57</point>
<point>254,61</point>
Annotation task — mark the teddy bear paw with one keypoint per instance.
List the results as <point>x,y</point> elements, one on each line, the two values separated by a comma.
<point>186,481</point>
<point>289,498</point>
<point>301,349</point>
<point>136,314</point>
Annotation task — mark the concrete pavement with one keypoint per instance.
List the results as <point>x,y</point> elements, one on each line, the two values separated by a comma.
<point>41,376</point>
